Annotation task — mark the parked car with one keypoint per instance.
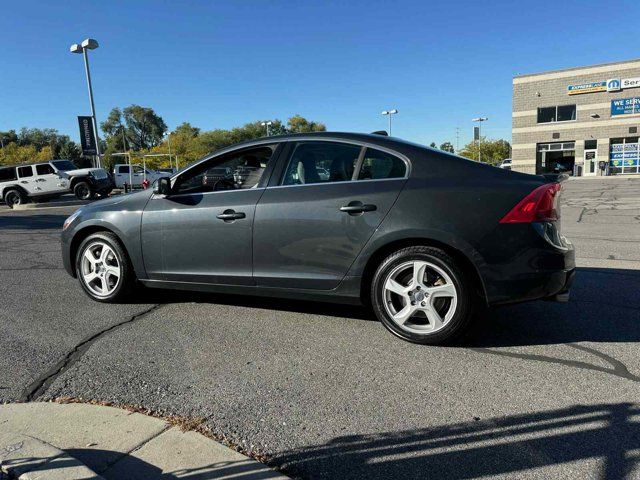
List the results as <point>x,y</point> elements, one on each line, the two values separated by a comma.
<point>46,180</point>
<point>426,238</point>
<point>138,175</point>
<point>506,164</point>
<point>85,183</point>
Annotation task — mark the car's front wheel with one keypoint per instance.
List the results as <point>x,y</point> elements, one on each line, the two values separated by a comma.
<point>103,268</point>
<point>82,191</point>
<point>421,295</point>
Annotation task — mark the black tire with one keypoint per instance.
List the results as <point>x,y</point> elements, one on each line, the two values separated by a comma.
<point>83,191</point>
<point>462,315</point>
<point>14,197</point>
<point>127,278</point>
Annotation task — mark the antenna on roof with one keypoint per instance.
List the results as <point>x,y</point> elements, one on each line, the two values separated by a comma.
<point>380,132</point>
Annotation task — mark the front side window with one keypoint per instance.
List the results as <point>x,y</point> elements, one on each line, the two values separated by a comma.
<point>239,170</point>
<point>25,172</point>
<point>138,169</point>
<point>44,169</point>
<point>378,165</point>
<point>321,162</point>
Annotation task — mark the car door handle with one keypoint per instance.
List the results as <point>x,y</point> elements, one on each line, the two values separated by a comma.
<point>358,207</point>
<point>24,181</point>
<point>230,215</point>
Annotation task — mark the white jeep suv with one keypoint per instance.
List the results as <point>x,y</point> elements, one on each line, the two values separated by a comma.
<point>43,181</point>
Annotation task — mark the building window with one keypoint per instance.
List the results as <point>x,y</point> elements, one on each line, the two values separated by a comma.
<point>560,113</point>
<point>624,156</point>
<point>556,157</point>
<point>590,144</point>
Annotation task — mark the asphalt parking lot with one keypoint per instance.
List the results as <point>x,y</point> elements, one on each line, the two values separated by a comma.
<point>543,390</point>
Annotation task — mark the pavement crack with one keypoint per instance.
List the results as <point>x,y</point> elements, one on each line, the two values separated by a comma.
<point>41,384</point>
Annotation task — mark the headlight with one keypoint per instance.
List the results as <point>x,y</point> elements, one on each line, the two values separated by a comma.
<point>69,220</point>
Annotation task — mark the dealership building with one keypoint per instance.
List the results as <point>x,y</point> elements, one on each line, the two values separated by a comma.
<point>584,120</point>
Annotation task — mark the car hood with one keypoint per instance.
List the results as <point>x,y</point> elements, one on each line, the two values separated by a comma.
<point>133,201</point>
<point>97,173</point>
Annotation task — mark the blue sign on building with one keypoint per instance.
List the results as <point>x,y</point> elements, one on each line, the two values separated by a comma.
<point>625,106</point>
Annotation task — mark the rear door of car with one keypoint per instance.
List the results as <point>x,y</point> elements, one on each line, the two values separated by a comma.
<point>309,227</point>
<point>27,179</point>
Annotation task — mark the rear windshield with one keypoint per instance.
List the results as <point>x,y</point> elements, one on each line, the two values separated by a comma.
<point>64,165</point>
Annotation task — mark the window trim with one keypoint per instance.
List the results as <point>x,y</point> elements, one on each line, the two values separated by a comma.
<point>354,178</point>
<point>25,166</point>
<point>538,122</point>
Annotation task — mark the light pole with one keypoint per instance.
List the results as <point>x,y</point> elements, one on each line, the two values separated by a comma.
<point>89,44</point>
<point>390,112</point>
<point>266,124</point>
<point>480,120</point>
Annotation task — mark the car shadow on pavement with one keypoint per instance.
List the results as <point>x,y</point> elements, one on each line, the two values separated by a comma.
<point>32,222</point>
<point>603,308</point>
<point>605,433</point>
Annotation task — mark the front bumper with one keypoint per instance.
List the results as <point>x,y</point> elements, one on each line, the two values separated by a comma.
<point>102,186</point>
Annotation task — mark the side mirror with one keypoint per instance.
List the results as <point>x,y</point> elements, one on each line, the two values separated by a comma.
<point>162,186</point>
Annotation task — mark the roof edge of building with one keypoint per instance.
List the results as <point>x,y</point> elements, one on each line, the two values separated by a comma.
<point>573,69</point>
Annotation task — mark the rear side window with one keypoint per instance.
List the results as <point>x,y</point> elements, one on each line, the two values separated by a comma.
<point>321,162</point>
<point>25,172</point>
<point>7,174</point>
<point>44,169</point>
<point>123,169</point>
<point>378,165</point>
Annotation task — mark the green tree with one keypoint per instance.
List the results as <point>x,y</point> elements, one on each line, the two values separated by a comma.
<point>299,124</point>
<point>143,128</point>
<point>447,147</point>
<point>493,151</point>
<point>433,145</point>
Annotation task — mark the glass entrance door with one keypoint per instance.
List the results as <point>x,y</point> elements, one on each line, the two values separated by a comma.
<point>590,163</point>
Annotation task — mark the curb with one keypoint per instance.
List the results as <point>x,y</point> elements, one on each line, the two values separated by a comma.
<point>42,206</point>
<point>112,443</point>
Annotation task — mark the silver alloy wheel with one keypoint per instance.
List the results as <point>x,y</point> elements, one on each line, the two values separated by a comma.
<point>100,269</point>
<point>420,297</point>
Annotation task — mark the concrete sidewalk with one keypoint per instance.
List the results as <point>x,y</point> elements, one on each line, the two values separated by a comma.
<point>80,441</point>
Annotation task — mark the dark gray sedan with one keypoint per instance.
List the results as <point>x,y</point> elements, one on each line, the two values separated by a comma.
<point>422,236</point>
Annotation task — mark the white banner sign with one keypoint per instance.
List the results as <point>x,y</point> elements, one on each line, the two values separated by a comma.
<point>631,82</point>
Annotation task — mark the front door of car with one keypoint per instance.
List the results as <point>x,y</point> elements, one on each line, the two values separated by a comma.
<point>47,180</point>
<point>328,201</point>
<point>202,231</point>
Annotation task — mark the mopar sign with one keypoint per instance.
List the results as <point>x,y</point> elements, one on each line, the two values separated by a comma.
<point>625,106</point>
<point>613,85</point>
<point>587,88</point>
<point>87,136</point>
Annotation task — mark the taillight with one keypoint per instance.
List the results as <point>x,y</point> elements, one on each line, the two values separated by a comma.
<point>538,206</point>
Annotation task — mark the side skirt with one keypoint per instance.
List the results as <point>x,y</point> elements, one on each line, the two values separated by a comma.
<point>348,292</point>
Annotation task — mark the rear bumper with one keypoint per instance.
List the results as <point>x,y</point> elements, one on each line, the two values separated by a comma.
<point>538,269</point>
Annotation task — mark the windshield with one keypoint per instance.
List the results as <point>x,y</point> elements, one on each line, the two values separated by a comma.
<point>64,165</point>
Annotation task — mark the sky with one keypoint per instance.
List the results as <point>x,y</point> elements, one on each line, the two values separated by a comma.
<point>220,64</point>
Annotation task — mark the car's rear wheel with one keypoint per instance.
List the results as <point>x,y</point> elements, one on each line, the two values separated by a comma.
<point>82,191</point>
<point>421,295</point>
<point>13,198</point>
<point>103,268</point>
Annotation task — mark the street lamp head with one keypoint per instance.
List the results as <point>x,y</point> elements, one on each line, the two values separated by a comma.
<point>480,119</point>
<point>266,123</point>
<point>386,112</point>
<point>90,44</point>
<point>75,48</point>
<point>393,111</point>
